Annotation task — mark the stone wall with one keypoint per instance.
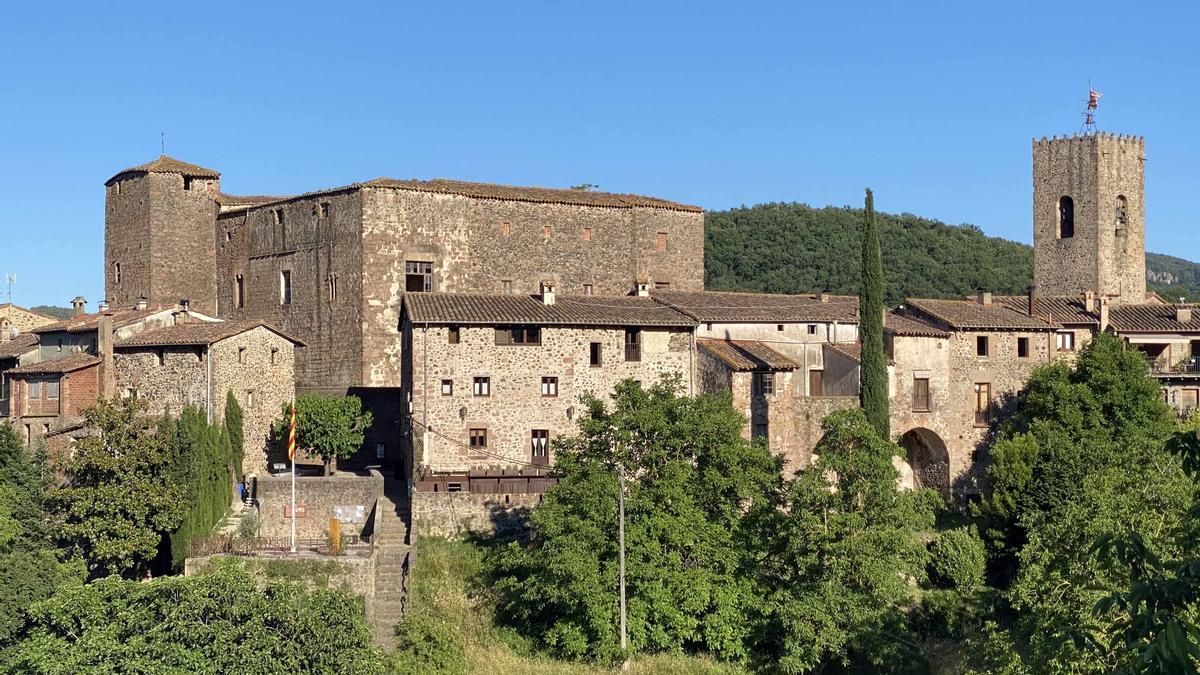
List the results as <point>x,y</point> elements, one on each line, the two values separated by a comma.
<point>319,495</point>
<point>258,367</point>
<point>21,319</point>
<point>1094,170</point>
<point>351,573</point>
<point>456,514</point>
<point>516,405</point>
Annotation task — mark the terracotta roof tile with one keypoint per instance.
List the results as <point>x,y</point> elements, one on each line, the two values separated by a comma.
<point>1152,318</point>
<point>1062,309</point>
<point>573,310</point>
<point>195,333</point>
<point>530,194</point>
<point>21,344</point>
<point>89,322</point>
<point>972,315</point>
<point>746,354</point>
<point>66,364</point>
<point>721,306</point>
<point>906,326</point>
<point>166,164</point>
<point>851,351</point>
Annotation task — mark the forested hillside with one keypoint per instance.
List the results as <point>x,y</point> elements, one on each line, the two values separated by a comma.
<point>790,248</point>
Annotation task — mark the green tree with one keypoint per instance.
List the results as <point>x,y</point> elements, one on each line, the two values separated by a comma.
<point>695,486</point>
<point>235,426</point>
<point>222,621</point>
<point>874,388</point>
<point>332,427</point>
<point>838,561</point>
<point>200,465</point>
<point>120,498</point>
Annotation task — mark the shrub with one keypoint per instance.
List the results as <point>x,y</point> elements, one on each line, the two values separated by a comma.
<point>427,644</point>
<point>957,559</point>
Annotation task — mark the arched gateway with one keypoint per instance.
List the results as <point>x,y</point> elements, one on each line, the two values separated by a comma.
<point>928,459</point>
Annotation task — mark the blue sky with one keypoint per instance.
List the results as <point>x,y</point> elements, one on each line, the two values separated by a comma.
<point>717,104</point>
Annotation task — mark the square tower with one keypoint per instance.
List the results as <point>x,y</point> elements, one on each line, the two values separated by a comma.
<point>160,235</point>
<point>1089,216</point>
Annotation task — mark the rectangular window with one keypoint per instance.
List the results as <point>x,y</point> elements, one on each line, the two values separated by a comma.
<point>812,329</point>
<point>660,241</point>
<point>447,387</point>
<point>161,355</point>
<point>504,229</point>
<point>921,401</point>
<point>594,354</point>
<point>633,344</point>
<point>506,286</point>
<point>250,399</point>
<point>239,291</point>
<point>587,289</point>
<point>549,386</point>
<point>482,386</point>
<point>518,335</point>
<point>539,446</point>
<point>285,287</point>
<point>816,383</point>
<point>324,209</point>
<point>478,438</point>
<point>241,354</point>
<point>418,277</point>
<point>187,182</point>
<point>587,234</point>
<point>453,335</point>
<point>274,354</point>
<point>35,390</point>
<point>1064,341</point>
<point>52,390</point>
<point>117,272</point>
<point>983,404</point>
<point>760,429</point>
<point>1189,399</point>
<point>763,383</point>
<point>333,288</point>
<point>547,230</point>
<point>779,327</point>
<point>1022,347</point>
<point>981,345</point>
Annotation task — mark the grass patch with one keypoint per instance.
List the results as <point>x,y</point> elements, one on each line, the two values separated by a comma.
<point>444,602</point>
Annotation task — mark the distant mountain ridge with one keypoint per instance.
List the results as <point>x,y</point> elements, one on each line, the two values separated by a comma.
<point>792,247</point>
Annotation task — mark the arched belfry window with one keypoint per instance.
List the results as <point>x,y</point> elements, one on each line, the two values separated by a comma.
<point>1122,214</point>
<point>1066,217</point>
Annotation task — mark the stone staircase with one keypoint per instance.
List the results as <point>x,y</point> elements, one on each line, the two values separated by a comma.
<point>393,560</point>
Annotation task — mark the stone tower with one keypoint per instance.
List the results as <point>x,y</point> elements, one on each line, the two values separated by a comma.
<point>160,235</point>
<point>1089,216</point>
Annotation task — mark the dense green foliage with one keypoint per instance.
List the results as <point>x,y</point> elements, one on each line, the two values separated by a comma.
<point>958,559</point>
<point>200,465</point>
<point>30,567</point>
<point>236,428</point>
<point>1084,458</point>
<point>60,313</point>
<point>330,427</point>
<point>121,494</point>
<point>795,248</point>
<point>724,556</point>
<point>219,622</point>
<point>874,376</point>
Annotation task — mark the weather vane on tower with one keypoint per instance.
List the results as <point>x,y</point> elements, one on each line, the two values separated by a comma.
<point>1089,115</point>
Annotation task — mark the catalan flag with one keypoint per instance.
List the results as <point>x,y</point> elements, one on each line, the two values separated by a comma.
<point>292,436</point>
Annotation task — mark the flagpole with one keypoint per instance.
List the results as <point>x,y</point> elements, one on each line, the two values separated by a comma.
<point>292,457</point>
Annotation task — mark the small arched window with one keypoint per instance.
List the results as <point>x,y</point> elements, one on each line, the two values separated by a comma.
<point>1066,217</point>
<point>1122,214</point>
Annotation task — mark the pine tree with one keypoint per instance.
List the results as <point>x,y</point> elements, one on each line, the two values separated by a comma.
<point>874,389</point>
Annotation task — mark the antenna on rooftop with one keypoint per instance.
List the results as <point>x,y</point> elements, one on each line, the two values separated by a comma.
<point>10,279</point>
<point>1089,115</point>
<point>162,143</point>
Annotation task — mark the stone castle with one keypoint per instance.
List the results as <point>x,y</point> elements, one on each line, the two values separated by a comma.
<point>471,318</point>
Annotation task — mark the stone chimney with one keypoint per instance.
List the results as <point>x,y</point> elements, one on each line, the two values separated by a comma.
<point>1183,314</point>
<point>6,332</point>
<point>1103,302</point>
<point>183,304</point>
<point>102,307</point>
<point>141,303</point>
<point>643,289</point>
<point>79,306</point>
<point>1032,300</point>
<point>547,290</point>
<point>104,345</point>
<point>824,296</point>
<point>985,297</point>
<point>1089,301</point>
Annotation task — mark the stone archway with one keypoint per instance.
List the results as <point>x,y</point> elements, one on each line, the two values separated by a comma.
<point>928,459</point>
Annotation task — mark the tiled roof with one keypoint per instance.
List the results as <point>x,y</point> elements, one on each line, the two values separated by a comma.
<point>66,364</point>
<point>906,326</point>
<point>746,354</point>
<point>1152,318</point>
<point>89,322</point>
<point>852,351</point>
<point>714,306</point>
<point>568,310</point>
<point>969,314</point>
<point>195,333</point>
<point>166,164</point>
<point>530,194</point>
<point>1063,309</point>
<point>227,200</point>
<point>21,344</point>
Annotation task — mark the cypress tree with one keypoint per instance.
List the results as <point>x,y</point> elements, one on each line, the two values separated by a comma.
<point>234,427</point>
<point>874,388</point>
